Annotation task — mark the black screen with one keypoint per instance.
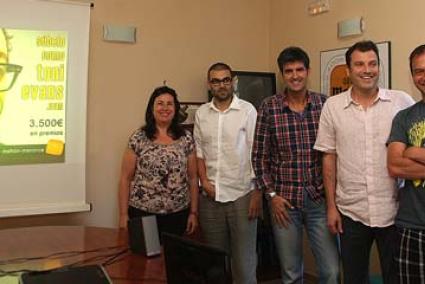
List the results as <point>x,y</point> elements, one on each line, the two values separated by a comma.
<point>191,262</point>
<point>254,87</point>
<point>90,274</point>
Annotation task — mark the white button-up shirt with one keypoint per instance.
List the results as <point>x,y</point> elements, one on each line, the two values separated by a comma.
<point>364,190</point>
<point>224,140</point>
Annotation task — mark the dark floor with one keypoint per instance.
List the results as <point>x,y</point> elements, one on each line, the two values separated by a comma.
<point>308,279</point>
<point>273,277</point>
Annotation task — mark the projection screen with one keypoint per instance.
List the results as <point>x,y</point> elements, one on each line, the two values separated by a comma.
<point>44,49</point>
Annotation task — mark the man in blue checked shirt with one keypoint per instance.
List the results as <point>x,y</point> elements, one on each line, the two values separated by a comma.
<point>289,171</point>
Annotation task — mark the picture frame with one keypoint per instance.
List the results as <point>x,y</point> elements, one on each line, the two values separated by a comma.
<point>333,75</point>
<point>187,113</point>
<point>254,87</point>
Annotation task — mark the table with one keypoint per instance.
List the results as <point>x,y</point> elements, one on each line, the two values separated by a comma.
<point>47,240</point>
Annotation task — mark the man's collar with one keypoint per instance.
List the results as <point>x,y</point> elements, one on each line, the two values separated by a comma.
<point>285,96</point>
<point>383,95</point>
<point>233,105</point>
<point>348,99</point>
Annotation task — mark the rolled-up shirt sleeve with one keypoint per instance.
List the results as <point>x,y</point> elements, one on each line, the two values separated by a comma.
<point>326,135</point>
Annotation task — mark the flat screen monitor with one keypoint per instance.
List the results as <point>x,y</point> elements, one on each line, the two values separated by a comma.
<point>254,86</point>
<point>93,274</point>
<point>191,262</point>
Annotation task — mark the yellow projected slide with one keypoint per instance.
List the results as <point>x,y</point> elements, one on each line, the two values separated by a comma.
<point>33,68</point>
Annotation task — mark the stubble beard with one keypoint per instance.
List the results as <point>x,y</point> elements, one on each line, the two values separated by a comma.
<point>223,94</point>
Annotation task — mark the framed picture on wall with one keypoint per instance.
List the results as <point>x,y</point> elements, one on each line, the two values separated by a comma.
<point>254,86</point>
<point>187,113</point>
<point>333,73</point>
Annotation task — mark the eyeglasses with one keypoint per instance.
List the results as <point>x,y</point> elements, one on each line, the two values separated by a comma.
<point>216,82</point>
<point>8,75</point>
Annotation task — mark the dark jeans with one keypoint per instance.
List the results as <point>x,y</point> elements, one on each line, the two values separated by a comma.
<point>174,223</point>
<point>356,243</point>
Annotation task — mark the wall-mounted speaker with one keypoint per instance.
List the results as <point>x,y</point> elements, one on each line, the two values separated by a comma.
<point>119,33</point>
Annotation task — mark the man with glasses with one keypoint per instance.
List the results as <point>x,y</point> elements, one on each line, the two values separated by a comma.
<point>8,72</point>
<point>230,204</point>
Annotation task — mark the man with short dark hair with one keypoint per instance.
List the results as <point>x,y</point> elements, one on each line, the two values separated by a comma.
<point>406,160</point>
<point>361,196</point>
<point>230,204</point>
<point>289,171</point>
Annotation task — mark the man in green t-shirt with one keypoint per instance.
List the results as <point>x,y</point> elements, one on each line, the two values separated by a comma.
<point>406,161</point>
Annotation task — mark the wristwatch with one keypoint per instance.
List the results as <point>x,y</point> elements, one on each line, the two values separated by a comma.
<point>270,195</point>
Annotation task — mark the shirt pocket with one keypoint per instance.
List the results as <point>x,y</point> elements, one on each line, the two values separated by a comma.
<point>285,142</point>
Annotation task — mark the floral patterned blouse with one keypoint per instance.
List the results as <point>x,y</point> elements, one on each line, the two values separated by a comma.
<point>160,184</point>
